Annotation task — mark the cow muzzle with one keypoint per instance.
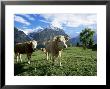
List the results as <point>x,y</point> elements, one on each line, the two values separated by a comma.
<point>34,49</point>
<point>65,46</point>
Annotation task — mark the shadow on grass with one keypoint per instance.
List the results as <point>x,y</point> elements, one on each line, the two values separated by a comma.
<point>40,68</point>
<point>30,70</point>
<point>18,68</point>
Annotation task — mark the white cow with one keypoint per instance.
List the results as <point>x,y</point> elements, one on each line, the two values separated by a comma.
<point>54,47</point>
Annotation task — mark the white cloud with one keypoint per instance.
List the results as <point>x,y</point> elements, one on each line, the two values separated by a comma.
<point>56,23</point>
<point>28,16</point>
<point>77,32</point>
<point>44,21</point>
<point>21,20</point>
<point>27,31</point>
<point>70,20</point>
<point>90,27</point>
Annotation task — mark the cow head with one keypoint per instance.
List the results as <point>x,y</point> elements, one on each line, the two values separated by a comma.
<point>34,44</point>
<point>61,42</point>
<point>43,49</point>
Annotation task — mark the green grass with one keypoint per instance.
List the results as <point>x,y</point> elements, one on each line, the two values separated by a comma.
<point>75,62</point>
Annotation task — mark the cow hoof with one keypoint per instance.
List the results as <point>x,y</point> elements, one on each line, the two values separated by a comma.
<point>60,64</point>
<point>29,62</point>
<point>21,61</point>
<point>17,61</point>
<point>52,64</point>
<point>35,69</point>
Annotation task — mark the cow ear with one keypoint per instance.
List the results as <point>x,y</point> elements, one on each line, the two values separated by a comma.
<point>66,38</point>
<point>30,43</point>
<point>57,38</point>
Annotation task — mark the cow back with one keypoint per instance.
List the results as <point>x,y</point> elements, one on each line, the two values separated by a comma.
<point>23,48</point>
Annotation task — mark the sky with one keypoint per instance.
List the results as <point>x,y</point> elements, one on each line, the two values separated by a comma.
<point>71,23</point>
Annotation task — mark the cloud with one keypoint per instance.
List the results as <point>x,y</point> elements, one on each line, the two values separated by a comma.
<point>21,20</point>
<point>28,17</point>
<point>70,20</point>
<point>44,21</point>
<point>56,23</point>
<point>39,27</point>
<point>77,32</point>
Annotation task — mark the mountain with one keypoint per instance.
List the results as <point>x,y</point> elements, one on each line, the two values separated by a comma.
<point>47,34</point>
<point>95,38</point>
<point>41,35</point>
<point>20,36</point>
<point>39,30</point>
<point>76,39</point>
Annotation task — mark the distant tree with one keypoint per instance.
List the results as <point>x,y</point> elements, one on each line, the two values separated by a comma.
<point>69,44</point>
<point>86,37</point>
<point>94,47</point>
<point>77,44</point>
<point>91,43</point>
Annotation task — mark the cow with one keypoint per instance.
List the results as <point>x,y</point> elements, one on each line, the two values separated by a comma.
<point>25,48</point>
<point>54,48</point>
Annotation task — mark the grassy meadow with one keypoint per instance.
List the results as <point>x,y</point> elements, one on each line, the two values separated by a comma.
<point>75,62</point>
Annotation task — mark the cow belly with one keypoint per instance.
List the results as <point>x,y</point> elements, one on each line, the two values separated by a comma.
<point>24,50</point>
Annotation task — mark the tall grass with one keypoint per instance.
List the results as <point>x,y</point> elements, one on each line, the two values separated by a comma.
<point>75,62</point>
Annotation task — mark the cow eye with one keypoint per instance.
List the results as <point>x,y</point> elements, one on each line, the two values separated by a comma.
<point>59,41</point>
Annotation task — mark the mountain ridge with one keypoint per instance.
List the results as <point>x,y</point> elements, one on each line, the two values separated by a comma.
<point>43,35</point>
<point>20,36</point>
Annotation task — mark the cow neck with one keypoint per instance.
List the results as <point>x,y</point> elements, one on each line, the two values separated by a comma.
<point>29,46</point>
<point>55,46</point>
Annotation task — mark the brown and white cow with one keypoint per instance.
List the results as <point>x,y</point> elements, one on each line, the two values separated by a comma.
<point>25,48</point>
<point>54,48</point>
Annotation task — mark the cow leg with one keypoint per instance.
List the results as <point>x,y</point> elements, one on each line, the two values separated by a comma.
<point>16,57</point>
<point>29,57</point>
<point>59,54</point>
<point>50,57</point>
<point>59,58</point>
<point>53,59</point>
<point>59,61</point>
<point>20,57</point>
<point>29,60</point>
<point>47,54</point>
